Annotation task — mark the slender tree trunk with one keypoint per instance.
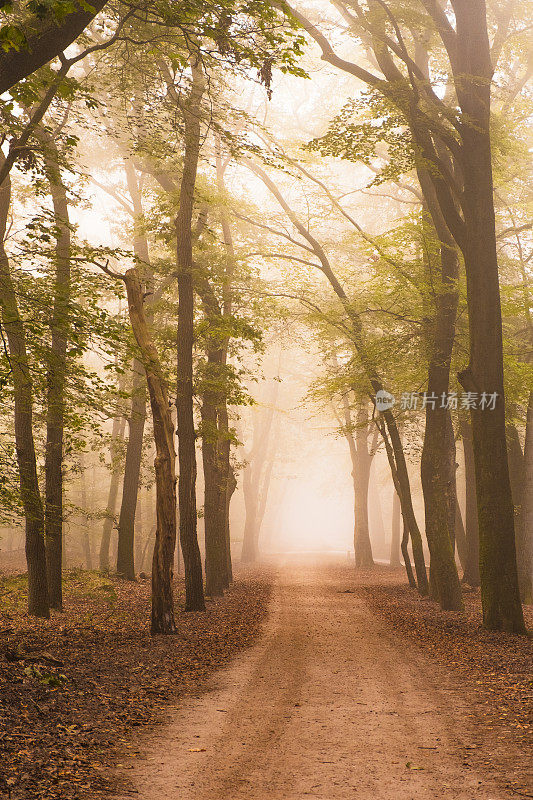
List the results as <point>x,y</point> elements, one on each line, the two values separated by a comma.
<point>38,604</point>
<point>400,478</point>
<point>406,557</point>
<point>254,476</point>
<point>228,476</point>
<point>251,500</point>
<point>438,483</point>
<point>230,489</point>
<point>526,533</point>
<point>214,488</point>
<point>132,465</point>
<point>460,535</point>
<point>471,570</point>
<point>85,540</point>
<point>117,435</point>
<point>518,486</point>
<point>185,342</point>
<point>396,528</point>
<point>438,451</point>
<point>362,544</point>
<point>132,470</point>
<point>56,376</point>
<point>403,487</point>
<point>229,483</point>
<point>265,489</point>
<point>139,530</point>
<point>361,463</point>
<point>163,620</point>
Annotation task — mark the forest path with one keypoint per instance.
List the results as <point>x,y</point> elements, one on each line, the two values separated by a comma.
<point>329,704</point>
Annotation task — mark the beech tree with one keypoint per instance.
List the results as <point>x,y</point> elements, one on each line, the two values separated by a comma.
<point>457,145</point>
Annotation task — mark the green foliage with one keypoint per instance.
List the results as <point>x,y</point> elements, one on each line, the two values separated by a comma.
<point>367,128</point>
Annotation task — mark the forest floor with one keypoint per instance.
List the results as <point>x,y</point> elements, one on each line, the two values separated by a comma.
<point>356,689</point>
<point>73,689</point>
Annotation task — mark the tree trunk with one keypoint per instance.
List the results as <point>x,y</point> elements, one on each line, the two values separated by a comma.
<point>438,452</point>
<point>249,551</point>
<point>502,609</point>
<point>139,531</point>
<point>132,471</point>
<point>85,540</point>
<point>256,478</point>
<point>525,560</point>
<point>400,479</point>
<point>396,528</point>
<point>163,620</point>
<point>361,463</point>
<point>460,535</point>
<point>117,435</point>
<point>228,481</point>
<point>194,592</point>
<point>517,475</point>
<point>132,465</point>
<point>56,376</point>
<point>228,477</point>
<point>38,604</point>
<point>406,558</point>
<point>438,483</point>
<point>403,487</point>
<point>471,570</point>
<point>214,488</point>
<point>362,544</point>
<point>47,37</point>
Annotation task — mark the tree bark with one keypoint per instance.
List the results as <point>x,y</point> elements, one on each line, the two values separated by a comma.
<point>228,477</point>
<point>249,552</point>
<point>132,471</point>
<point>460,535</point>
<point>56,375</point>
<point>214,484</point>
<point>45,39</point>
<point>163,620</point>
<point>398,464</point>
<point>194,600</point>
<point>256,472</point>
<point>525,560</point>
<point>502,609</point>
<point>85,539</point>
<point>117,435</point>
<point>517,468</point>
<point>396,527</point>
<point>132,465</point>
<point>471,570</point>
<point>38,603</point>
<point>361,463</point>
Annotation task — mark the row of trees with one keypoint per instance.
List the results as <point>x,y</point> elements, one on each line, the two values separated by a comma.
<point>426,114</point>
<point>145,107</point>
<point>129,63</point>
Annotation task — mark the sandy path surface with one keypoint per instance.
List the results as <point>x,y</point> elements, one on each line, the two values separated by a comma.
<point>329,704</point>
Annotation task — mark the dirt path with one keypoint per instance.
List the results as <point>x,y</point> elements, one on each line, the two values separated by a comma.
<point>330,704</point>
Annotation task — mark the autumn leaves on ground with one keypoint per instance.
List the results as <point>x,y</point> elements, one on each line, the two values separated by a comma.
<point>75,688</point>
<point>79,691</point>
<point>265,289</point>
